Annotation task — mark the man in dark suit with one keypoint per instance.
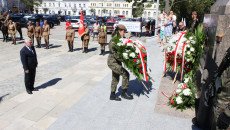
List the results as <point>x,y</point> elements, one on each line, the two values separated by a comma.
<point>29,62</point>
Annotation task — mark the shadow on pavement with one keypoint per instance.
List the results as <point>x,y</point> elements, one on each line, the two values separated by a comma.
<point>92,49</point>
<point>3,97</point>
<point>77,49</point>
<point>49,83</point>
<point>195,128</point>
<point>55,46</point>
<point>106,52</point>
<point>137,88</point>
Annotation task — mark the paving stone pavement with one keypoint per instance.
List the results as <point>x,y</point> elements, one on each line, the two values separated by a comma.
<point>95,110</point>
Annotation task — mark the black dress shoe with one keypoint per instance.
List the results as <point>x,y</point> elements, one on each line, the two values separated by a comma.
<point>114,97</point>
<point>125,95</point>
<point>29,92</point>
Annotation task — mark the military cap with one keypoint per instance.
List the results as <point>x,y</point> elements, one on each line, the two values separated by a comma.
<point>30,22</point>
<point>121,27</point>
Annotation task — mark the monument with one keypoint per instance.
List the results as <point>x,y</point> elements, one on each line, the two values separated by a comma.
<point>217,29</point>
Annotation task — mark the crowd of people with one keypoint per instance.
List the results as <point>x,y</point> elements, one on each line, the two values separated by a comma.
<point>168,26</point>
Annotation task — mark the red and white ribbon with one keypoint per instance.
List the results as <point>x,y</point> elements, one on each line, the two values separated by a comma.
<point>142,62</point>
<point>176,50</point>
<point>182,64</point>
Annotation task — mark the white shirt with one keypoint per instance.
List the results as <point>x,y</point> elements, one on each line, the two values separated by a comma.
<point>30,49</point>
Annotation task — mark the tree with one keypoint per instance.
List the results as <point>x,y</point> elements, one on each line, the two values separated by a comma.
<point>31,3</point>
<point>45,10</point>
<point>92,11</point>
<point>184,8</point>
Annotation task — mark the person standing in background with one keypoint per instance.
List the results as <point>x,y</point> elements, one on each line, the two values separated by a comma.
<point>102,41</point>
<point>38,34</point>
<point>96,28</point>
<point>30,32</point>
<point>85,37</point>
<point>194,23</point>
<point>41,23</point>
<point>12,31</point>
<point>46,33</point>
<point>70,33</point>
<point>67,24</point>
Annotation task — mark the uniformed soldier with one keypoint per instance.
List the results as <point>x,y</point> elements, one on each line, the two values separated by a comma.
<point>102,40</point>
<point>12,31</point>
<point>30,32</point>
<point>70,33</point>
<point>222,103</point>
<point>38,34</point>
<point>85,37</point>
<point>46,33</point>
<point>115,64</point>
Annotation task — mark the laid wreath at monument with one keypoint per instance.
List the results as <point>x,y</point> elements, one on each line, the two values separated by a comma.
<point>183,55</point>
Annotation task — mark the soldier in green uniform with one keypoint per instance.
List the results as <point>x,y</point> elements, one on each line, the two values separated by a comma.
<point>222,103</point>
<point>115,64</point>
<point>195,22</point>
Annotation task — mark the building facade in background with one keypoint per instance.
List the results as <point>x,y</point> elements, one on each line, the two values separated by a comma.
<point>3,5</point>
<point>118,7</point>
<point>16,6</point>
<point>63,7</point>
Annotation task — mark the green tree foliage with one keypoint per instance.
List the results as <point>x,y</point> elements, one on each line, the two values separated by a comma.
<point>184,8</point>
<point>45,10</point>
<point>31,3</point>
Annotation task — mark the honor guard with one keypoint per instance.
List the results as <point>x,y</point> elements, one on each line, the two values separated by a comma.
<point>46,33</point>
<point>70,33</point>
<point>38,34</point>
<point>30,32</point>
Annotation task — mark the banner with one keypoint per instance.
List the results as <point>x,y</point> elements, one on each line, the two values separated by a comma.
<point>81,29</point>
<point>131,26</point>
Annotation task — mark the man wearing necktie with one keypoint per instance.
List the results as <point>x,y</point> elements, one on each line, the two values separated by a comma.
<point>29,62</point>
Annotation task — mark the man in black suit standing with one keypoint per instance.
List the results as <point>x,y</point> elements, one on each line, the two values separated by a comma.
<point>29,62</point>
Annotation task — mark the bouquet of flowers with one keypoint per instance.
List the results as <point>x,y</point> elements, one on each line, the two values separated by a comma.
<point>183,97</point>
<point>134,56</point>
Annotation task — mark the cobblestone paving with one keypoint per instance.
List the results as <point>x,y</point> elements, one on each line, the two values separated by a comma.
<point>50,61</point>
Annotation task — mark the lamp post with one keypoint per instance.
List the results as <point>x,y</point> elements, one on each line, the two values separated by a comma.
<point>156,20</point>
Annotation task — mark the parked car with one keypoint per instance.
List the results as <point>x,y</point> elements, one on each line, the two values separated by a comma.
<point>26,16</point>
<point>120,16</point>
<point>53,18</point>
<point>20,19</point>
<point>75,24</point>
<point>37,17</point>
<point>109,26</point>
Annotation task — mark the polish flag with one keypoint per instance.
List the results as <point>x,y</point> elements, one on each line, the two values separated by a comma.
<point>81,29</point>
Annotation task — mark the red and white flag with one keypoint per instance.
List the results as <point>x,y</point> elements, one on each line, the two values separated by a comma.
<point>81,29</point>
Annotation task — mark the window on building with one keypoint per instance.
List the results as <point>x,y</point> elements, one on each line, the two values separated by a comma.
<point>102,4</point>
<point>127,13</point>
<point>44,4</point>
<point>49,4</point>
<point>69,4</point>
<point>69,13</point>
<point>75,5</point>
<point>154,6</point>
<point>53,5</point>
<point>148,13</point>
<point>65,4</point>
<point>58,4</point>
<point>79,5</point>
<point>84,5</point>
<point>123,12</point>
<point>99,12</point>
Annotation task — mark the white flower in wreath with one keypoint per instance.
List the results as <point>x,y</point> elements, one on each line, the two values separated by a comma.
<point>193,42</point>
<point>178,91</point>
<point>188,52</point>
<point>130,44</point>
<point>186,80</point>
<point>187,92</point>
<point>127,51</point>
<point>119,44</point>
<point>188,46</point>
<point>138,62</point>
<point>121,39</point>
<point>125,55</point>
<point>137,51</point>
<point>180,85</point>
<point>190,38</point>
<point>192,49</point>
<point>132,55</point>
<point>179,100</point>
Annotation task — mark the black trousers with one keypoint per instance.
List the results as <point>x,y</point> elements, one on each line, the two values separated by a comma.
<point>29,79</point>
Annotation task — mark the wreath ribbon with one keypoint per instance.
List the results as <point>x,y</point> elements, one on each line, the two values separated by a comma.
<point>183,54</point>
